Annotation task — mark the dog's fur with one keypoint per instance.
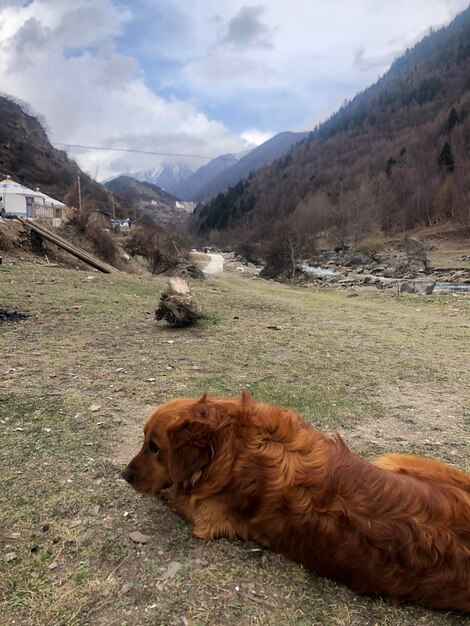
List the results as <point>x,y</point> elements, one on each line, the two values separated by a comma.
<point>397,527</point>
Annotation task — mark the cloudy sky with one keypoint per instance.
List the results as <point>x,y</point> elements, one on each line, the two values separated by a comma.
<point>199,77</point>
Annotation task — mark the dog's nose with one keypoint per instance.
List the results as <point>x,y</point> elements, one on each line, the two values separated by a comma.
<point>128,474</point>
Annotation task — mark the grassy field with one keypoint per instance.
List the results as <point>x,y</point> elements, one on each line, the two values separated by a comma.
<point>80,375</point>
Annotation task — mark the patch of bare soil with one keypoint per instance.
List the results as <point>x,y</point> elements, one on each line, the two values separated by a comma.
<point>420,419</point>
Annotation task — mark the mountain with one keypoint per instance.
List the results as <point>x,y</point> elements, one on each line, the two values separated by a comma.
<point>396,156</point>
<point>218,174</point>
<point>192,187</point>
<point>27,155</point>
<point>167,177</point>
<point>257,158</point>
<point>149,199</point>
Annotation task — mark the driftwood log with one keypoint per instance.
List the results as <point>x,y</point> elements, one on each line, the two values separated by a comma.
<point>178,306</point>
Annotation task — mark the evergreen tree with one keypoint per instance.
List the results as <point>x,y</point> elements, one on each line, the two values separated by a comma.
<point>445,160</point>
<point>452,119</point>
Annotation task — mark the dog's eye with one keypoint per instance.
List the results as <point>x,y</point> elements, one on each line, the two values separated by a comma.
<point>153,448</point>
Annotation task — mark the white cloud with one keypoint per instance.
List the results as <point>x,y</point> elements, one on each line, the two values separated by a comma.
<point>200,78</point>
<point>65,63</point>
<point>256,137</point>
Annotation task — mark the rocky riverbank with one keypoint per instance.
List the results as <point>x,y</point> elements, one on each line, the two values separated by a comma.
<point>391,268</point>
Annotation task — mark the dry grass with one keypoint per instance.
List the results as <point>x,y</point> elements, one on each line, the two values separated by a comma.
<point>388,374</point>
<point>7,242</point>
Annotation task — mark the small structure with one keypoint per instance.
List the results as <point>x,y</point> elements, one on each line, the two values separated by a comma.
<point>16,200</point>
<point>178,305</point>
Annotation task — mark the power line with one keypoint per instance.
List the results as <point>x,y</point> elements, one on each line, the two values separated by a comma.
<point>168,154</point>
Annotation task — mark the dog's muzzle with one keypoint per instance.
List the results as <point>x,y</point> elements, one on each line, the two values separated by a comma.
<point>128,474</point>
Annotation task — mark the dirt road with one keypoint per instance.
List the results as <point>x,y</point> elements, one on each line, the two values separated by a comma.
<point>210,263</point>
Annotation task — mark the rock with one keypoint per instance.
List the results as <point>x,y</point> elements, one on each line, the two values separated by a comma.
<point>423,287</point>
<point>11,556</point>
<point>137,537</point>
<point>172,570</point>
<point>194,272</point>
<point>94,408</point>
<point>354,260</point>
<point>333,279</point>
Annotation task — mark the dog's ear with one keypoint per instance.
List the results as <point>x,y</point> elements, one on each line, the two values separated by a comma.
<point>247,399</point>
<point>203,398</point>
<point>190,449</point>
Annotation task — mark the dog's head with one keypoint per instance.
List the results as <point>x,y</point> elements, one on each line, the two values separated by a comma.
<point>180,441</point>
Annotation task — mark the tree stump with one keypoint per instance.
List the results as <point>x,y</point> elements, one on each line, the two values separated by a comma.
<point>178,306</point>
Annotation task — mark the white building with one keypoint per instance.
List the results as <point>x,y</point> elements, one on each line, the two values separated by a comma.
<point>18,200</point>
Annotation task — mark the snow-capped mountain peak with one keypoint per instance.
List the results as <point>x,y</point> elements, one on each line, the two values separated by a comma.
<point>167,177</point>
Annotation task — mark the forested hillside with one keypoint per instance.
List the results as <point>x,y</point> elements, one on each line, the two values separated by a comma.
<point>148,200</point>
<point>396,156</point>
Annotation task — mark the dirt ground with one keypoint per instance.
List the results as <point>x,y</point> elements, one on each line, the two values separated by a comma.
<point>78,378</point>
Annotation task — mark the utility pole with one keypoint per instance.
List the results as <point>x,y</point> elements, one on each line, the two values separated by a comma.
<point>79,196</point>
<point>114,208</point>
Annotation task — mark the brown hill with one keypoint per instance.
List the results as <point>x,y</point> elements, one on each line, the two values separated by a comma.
<point>397,156</point>
<point>150,200</point>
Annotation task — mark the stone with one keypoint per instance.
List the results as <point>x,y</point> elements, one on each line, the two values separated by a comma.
<point>137,537</point>
<point>172,570</point>
<point>194,272</point>
<point>423,287</point>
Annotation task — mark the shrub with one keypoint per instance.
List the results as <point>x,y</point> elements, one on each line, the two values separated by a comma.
<point>155,245</point>
<point>103,240</point>
<point>371,246</point>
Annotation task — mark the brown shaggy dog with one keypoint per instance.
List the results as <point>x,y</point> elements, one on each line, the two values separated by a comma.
<point>398,527</point>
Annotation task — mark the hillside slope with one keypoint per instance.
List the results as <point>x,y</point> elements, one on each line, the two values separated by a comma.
<point>265,153</point>
<point>396,156</point>
<point>149,199</point>
<point>193,187</point>
<point>27,155</point>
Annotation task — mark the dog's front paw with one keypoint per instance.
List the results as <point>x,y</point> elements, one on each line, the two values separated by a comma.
<point>167,495</point>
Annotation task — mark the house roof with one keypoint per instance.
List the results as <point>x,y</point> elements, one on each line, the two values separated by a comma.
<point>8,186</point>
